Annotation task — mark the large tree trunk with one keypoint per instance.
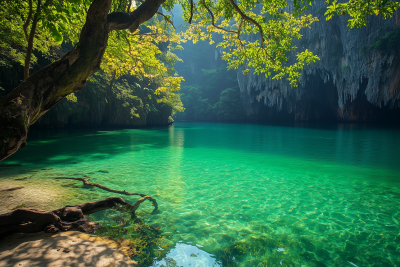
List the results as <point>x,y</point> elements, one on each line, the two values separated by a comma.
<point>42,90</point>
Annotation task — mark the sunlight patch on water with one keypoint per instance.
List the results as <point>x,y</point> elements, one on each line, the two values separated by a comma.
<point>188,255</point>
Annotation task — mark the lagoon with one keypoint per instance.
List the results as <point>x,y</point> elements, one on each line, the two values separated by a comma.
<point>239,194</point>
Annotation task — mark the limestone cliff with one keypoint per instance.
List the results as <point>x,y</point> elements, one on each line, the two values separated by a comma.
<point>356,79</point>
<point>109,106</point>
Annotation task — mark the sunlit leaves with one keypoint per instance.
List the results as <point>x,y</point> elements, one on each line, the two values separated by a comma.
<point>243,46</point>
<point>359,10</point>
<point>146,54</point>
<point>258,35</point>
<point>261,40</point>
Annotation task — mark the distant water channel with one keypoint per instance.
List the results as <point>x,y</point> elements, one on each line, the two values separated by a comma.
<point>244,195</point>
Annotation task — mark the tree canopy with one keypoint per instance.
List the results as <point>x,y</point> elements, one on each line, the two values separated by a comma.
<point>257,36</point>
<point>275,24</point>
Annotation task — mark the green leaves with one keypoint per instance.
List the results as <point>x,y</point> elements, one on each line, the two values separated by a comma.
<point>257,35</point>
<point>75,2</point>
<point>359,10</point>
<point>56,34</point>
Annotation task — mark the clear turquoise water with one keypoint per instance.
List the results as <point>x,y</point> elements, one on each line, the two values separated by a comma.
<point>246,195</point>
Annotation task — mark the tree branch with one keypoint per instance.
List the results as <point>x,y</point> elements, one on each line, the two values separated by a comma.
<point>244,16</point>
<point>28,20</point>
<point>128,9</point>
<point>212,19</point>
<point>132,20</point>
<point>238,32</point>
<point>86,182</point>
<point>167,19</point>
<point>191,11</point>
<point>31,37</point>
<point>252,21</point>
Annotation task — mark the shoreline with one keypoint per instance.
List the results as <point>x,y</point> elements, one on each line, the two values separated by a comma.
<point>32,192</point>
<point>71,248</point>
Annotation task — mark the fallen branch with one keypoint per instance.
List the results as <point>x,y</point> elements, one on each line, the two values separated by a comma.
<point>29,220</point>
<point>86,182</point>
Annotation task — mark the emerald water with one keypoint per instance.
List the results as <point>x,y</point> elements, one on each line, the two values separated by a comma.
<point>240,194</point>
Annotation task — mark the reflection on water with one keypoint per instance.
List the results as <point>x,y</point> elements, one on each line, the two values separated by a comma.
<point>242,195</point>
<point>187,255</point>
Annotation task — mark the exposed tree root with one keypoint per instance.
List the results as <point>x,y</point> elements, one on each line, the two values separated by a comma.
<point>86,182</point>
<point>29,220</point>
<point>12,189</point>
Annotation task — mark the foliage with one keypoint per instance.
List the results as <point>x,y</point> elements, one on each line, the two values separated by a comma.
<point>12,39</point>
<point>72,97</point>
<point>271,27</point>
<point>229,105</point>
<point>359,10</point>
<point>138,54</point>
<point>197,107</point>
<point>274,25</point>
<point>137,97</point>
<point>257,35</point>
<point>206,77</point>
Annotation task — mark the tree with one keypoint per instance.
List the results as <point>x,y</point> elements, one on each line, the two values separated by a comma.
<point>45,88</point>
<point>276,23</point>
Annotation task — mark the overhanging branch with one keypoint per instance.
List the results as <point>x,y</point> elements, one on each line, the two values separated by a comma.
<point>191,11</point>
<point>213,20</point>
<point>132,20</point>
<point>166,19</point>
<point>252,21</point>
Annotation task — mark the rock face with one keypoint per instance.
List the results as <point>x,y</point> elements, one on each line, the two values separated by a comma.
<point>356,79</point>
<point>93,110</point>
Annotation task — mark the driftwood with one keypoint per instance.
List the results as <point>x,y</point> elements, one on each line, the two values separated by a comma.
<point>86,182</point>
<point>29,220</point>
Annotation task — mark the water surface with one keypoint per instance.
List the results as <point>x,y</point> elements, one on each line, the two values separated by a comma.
<point>244,195</point>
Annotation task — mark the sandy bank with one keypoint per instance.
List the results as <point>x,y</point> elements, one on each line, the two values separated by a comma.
<point>71,249</point>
